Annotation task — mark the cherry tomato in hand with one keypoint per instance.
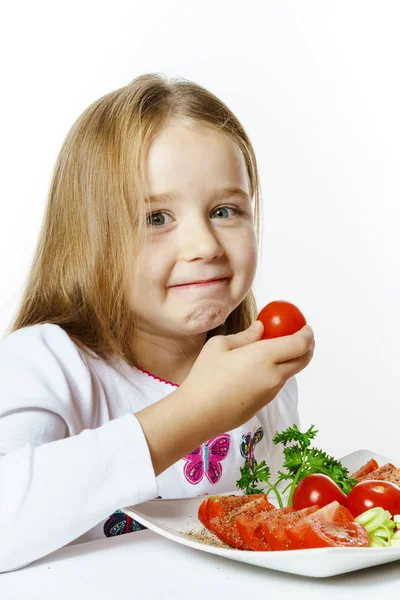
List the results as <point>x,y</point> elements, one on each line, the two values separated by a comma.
<point>317,489</point>
<point>371,493</point>
<point>280,318</point>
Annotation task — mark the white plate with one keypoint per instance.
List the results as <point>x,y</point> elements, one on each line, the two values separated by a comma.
<point>171,518</point>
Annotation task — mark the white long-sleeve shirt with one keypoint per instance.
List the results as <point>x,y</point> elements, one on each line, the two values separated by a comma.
<point>72,453</point>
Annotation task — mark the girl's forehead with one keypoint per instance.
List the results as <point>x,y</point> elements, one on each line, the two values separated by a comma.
<point>183,136</point>
<point>182,155</point>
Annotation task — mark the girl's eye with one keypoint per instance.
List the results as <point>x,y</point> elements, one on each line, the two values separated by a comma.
<point>156,219</point>
<point>224,212</point>
<point>160,218</point>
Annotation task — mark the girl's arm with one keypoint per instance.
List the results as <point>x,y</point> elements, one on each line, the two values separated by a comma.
<point>52,493</point>
<point>54,485</point>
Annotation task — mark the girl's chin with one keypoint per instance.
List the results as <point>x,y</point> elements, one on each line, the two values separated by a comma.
<point>202,326</point>
<point>205,318</point>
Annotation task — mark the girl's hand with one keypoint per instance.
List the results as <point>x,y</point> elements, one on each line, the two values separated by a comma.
<point>233,377</point>
<point>236,375</point>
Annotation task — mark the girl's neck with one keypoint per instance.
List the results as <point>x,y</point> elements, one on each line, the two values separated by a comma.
<point>165,358</point>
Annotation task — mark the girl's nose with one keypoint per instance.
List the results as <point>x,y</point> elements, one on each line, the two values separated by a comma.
<point>200,242</point>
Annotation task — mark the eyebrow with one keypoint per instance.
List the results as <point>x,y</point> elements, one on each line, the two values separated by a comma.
<point>222,194</point>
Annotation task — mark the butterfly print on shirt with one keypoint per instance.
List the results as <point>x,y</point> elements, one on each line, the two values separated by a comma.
<point>247,446</point>
<point>120,523</point>
<point>205,460</point>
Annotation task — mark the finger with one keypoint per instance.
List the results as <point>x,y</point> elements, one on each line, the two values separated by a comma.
<point>296,365</point>
<point>289,347</point>
<point>252,334</point>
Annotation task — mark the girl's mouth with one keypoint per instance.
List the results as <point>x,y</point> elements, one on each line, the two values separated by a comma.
<point>201,284</point>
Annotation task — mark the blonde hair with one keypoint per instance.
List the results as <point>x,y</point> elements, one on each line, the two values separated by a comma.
<point>93,228</point>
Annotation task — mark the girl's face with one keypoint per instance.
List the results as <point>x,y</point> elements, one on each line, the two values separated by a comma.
<point>199,257</point>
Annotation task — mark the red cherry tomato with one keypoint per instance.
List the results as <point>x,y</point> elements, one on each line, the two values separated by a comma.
<point>370,493</point>
<point>317,489</point>
<point>280,318</point>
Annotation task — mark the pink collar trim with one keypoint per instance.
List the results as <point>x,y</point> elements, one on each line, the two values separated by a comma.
<point>157,378</point>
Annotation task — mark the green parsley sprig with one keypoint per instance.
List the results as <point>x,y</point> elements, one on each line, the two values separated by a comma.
<point>300,460</point>
<point>251,477</point>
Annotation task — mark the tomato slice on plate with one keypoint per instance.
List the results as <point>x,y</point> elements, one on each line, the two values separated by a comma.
<point>202,513</point>
<point>367,468</point>
<point>333,512</point>
<point>250,527</point>
<point>275,528</point>
<point>219,506</point>
<point>324,535</point>
<point>225,528</point>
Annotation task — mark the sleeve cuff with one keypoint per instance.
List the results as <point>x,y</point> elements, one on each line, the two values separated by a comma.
<point>141,465</point>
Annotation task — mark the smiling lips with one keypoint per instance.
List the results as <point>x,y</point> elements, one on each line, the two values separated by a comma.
<point>201,283</point>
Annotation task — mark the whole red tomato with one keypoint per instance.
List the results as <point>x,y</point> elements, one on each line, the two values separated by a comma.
<point>370,493</point>
<point>281,318</point>
<point>318,489</point>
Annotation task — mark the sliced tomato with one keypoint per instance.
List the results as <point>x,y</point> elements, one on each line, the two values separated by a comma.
<point>202,514</point>
<point>369,466</point>
<point>333,512</point>
<point>324,534</point>
<point>275,528</point>
<point>267,522</point>
<point>220,506</point>
<point>383,473</point>
<point>250,528</point>
<point>225,527</point>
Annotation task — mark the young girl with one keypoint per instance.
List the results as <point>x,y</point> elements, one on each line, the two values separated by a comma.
<point>134,368</point>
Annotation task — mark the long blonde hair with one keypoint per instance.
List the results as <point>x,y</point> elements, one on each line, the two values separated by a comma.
<point>94,222</point>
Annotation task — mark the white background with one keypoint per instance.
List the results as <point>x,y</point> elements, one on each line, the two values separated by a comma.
<point>316,85</point>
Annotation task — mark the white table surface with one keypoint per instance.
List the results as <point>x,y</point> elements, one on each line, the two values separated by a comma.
<point>146,565</point>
